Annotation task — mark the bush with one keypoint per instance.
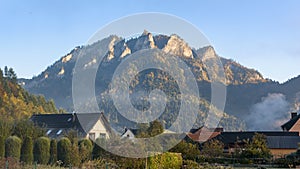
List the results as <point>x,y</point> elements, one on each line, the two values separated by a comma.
<point>75,157</point>
<point>85,150</point>
<point>98,151</point>
<point>166,160</point>
<point>13,147</point>
<point>189,151</point>
<point>53,152</point>
<point>42,150</point>
<point>64,149</point>
<point>27,151</point>
<point>2,146</point>
<point>189,164</point>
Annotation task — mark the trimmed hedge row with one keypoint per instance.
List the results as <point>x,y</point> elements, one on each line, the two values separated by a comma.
<point>44,151</point>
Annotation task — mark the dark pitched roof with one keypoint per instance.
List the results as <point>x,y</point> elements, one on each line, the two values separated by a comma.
<point>280,142</point>
<point>288,125</point>
<point>218,129</point>
<point>233,137</point>
<point>54,120</point>
<point>58,124</point>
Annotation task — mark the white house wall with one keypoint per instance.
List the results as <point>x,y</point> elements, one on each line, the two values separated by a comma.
<point>98,129</point>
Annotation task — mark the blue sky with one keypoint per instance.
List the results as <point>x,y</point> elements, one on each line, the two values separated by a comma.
<point>263,35</point>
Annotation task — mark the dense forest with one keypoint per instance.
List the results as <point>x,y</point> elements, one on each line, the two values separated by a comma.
<point>16,103</point>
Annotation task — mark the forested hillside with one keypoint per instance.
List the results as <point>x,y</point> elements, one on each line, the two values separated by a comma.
<point>16,103</point>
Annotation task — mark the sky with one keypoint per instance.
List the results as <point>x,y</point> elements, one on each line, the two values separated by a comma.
<point>263,35</point>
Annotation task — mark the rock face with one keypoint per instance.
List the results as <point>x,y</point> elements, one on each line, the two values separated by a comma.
<point>60,73</point>
<point>178,47</point>
<point>56,81</point>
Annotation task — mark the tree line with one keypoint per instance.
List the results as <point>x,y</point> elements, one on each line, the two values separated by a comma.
<point>16,103</point>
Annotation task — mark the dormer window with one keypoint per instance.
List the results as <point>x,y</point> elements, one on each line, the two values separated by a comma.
<point>59,132</point>
<point>49,131</point>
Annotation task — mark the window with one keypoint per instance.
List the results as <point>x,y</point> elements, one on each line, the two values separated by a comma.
<point>102,135</point>
<point>49,131</point>
<point>59,132</point>
<point>92,136</point>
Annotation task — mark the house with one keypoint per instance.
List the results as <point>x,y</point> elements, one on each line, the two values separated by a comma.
<point>280,143</point>
<point>293,124</point>
<point>87,125</point>
<point>129,133</point>
<point>203,133</point>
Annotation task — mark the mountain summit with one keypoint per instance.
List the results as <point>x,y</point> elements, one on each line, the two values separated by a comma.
<point>243,83</point>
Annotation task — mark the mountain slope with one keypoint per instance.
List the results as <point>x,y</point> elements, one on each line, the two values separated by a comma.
<point>246,86</point>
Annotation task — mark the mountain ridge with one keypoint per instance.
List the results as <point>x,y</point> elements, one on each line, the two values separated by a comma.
<point>55,81</point>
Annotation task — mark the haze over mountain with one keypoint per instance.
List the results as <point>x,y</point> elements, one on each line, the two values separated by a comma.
<point>249,95</point>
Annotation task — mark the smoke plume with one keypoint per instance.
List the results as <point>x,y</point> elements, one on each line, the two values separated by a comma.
<point>269,114</point>
<point>296,105</point>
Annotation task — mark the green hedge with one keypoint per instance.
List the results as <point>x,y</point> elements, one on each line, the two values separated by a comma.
<point>85,149</point>
<point>42,150</point>
<point>53,152</point>
<point>64,150</point>
<point>27,151</point>
<point>13,147</point>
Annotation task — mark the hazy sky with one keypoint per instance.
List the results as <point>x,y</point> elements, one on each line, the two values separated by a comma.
<point>260,34</point>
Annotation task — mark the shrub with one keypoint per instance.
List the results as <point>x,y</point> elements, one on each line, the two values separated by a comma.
<point>98,151</point>
<point>53,152</point>
<point>85,149</point>
<point>2,146</point>
<point>42,150</point>
<point>64,148</point>
<point>75,157</point>
<point>166,160</point>
<point>27,151</point>
<point>189,164</point>
<point>212,149</point>
<point>188,150</point>
<point>13,147</point>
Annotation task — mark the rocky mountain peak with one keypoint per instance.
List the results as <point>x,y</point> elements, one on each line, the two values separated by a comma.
<point>206,52</point>
<point>145,41</point>
<point>177,46</point>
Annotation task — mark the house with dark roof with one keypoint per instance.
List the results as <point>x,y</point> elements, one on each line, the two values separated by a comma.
<point>129,133</point>
<point>87,125</point>
<point>293,124</point>
<point>280,143</point>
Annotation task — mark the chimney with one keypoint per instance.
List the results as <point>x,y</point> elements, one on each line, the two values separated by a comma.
<point>293,114</point>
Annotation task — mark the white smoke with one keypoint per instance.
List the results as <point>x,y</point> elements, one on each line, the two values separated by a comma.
<point>296,105</point>
<point>269,114</point>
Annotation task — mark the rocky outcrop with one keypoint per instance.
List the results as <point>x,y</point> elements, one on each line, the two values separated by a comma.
<point>178,47</point>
